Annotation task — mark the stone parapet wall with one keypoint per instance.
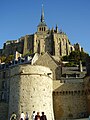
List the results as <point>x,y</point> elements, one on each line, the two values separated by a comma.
<point>69,100</point>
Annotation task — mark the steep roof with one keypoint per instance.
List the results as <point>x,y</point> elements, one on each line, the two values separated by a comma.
<point>47,60</point>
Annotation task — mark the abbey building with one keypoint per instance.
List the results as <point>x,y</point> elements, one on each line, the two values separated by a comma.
<point>54,41</point>
<point>36,80</point>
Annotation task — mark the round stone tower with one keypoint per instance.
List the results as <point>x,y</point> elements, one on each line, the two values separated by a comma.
<point>31,90</point>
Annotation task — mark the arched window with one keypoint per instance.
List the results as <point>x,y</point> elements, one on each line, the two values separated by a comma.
<point>66,92</point>
<point>3,85</point>
<point>40,29</point>
<point>4,74</point>
<point>63,92</point>
<point>3,96</point>
<point>44,29</point>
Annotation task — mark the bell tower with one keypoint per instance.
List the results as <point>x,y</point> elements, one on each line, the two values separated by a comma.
<point>42,27</point>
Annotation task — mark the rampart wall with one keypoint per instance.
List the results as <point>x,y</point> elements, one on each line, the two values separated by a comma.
<point>4,93</point>
<point>87,88</point>
<point>69,100</point>
<point>31,90</point>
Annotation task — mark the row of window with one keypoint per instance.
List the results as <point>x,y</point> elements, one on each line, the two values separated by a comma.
<point>72,92</point>
<point>42,29</point>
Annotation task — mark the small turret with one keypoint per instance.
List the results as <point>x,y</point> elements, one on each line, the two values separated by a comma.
<point>56,28</point>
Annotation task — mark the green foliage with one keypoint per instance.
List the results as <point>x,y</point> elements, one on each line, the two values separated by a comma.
<point>71,64</point>
<point>75,57</point>
<point>7,59</point>
<point>3,58</point>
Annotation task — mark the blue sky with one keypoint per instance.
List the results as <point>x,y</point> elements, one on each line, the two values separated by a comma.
<point>21,17</point>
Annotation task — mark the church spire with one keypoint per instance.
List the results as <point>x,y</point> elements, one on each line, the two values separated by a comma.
<point>42,14</point>
<point>42,27</point>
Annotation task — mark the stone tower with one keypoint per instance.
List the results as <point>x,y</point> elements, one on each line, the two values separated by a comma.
<point>42,38</point>
<point>31,90</point>
<point>53,41</point>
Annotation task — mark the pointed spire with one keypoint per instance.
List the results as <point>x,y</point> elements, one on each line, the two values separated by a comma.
<point>42,14</point>
<point>56,28</point>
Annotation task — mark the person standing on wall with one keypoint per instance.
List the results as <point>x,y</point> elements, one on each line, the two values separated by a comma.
<point>22,117</point>
<point>13,116</point>
<point>43,117</point>
<point>27,116</point>
<point>33,115</point>
<point>37,117</point>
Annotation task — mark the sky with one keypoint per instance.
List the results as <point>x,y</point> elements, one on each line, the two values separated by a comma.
<point>21,17</point>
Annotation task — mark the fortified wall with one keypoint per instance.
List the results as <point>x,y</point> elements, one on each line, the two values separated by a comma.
<point>31,90</point>
<point>69,100</point>
<point>87,84</point>
<point>87,89</point>
<point>4,93</point>
<point>42,85</point>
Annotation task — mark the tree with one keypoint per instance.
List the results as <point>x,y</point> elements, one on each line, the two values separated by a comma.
<point>75,57</point>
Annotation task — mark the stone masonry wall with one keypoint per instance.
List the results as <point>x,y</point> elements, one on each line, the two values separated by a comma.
<point>87,89</point>
<point>4,91</point>
<point>31,90</point>
<point>69,100</point>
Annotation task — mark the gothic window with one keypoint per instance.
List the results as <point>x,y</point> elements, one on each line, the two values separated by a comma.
<point>3,96</point>
<point>44,28</point>
<point>63,92</point>
<point>71,49</point>
<point>4,74</point>
<point>3,85</point>
<point>53,92</point>
<point>79,92</point>
<point>60,92</point>
<point>0,75</point>
<point>82,92</point>
<point>75,91</point>
<point>89,90</point>
<point>66,92</point>
<point>57,92</point>
<point>40,29</point>
<point>62,41</point>
<point>72,92</point>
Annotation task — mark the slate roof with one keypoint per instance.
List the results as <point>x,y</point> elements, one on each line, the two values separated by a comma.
<point>73,72</point>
